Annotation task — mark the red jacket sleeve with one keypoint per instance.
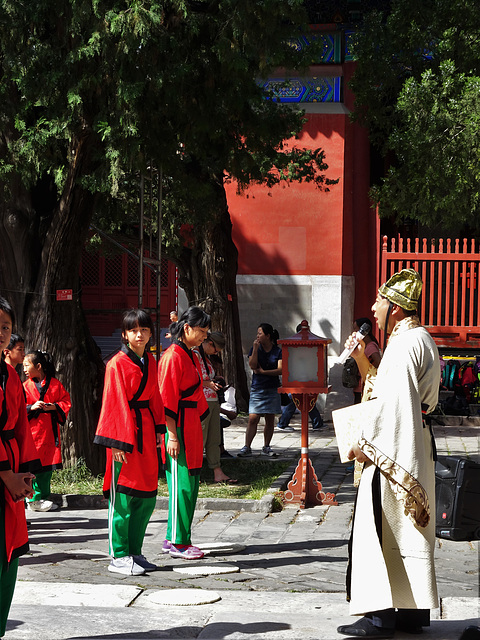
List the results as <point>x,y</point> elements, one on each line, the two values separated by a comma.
<point>116,426</point>
<point>19,422</point>
<point>156,404</point>
<point>170,372</point>
<point>62,401</point>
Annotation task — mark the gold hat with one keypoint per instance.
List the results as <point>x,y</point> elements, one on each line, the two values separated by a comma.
<point>403,288</point>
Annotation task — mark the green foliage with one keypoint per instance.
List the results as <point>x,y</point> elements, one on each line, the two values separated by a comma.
<point>128,84</point>
<point>417,89</point>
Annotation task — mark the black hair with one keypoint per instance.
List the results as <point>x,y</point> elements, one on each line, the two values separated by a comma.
<point>360,321</point>
<point>44,359</point>
<point>194,317</point>
<point>7,308</point>
<point>268,330</point>
<point>14,339</point>
<point>136,318</point>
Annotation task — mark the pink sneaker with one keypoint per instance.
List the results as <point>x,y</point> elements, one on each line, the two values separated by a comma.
<point>167,545</point>
<point>187,553</point>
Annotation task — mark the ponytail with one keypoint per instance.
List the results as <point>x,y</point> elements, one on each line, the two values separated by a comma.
<point>194,317</point>
<point>44,359</point>
<point>268,330</point>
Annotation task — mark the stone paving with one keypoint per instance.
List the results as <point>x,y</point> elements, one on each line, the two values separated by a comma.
<point>282,562</point>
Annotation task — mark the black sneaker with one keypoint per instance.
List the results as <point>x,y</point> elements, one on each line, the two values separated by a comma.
<point>364,628</point>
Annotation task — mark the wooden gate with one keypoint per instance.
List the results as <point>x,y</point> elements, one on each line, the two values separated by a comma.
<point>450,301</point>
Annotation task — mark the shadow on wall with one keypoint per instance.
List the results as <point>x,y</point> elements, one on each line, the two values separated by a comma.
<point>283,304</point>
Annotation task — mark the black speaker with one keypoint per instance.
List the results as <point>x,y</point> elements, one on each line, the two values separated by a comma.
<point>457,498</point>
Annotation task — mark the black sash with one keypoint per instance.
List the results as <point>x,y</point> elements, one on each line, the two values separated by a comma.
<point>427,422</point>
<point>135,403</point>
<point>182,403</point>
<point>3,383</point>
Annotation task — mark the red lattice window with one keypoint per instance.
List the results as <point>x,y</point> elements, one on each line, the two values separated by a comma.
<point>90,269</point>
<point>113,271</point>
<point>164,273</point>
<point>132,272</point>
<point>153,278</point>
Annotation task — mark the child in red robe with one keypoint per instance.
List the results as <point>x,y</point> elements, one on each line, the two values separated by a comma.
<point>17,457</point>
<point>131,424</point>
<point>180,380</point>
<point>48,404</point>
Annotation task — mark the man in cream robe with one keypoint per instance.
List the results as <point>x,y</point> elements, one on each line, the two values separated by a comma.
<point>391,575</point>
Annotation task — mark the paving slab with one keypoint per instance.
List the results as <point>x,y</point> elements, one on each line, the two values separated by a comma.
<point>252,616</point>
<point>291,567</point>
<point>64,594</point>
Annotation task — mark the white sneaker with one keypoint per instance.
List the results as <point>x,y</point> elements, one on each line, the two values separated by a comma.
<point>144,563</point>
<point>42,505</point>
<point>126,566</point>
<point>268,451</point>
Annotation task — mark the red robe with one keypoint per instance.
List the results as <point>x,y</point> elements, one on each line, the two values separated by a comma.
<point>132,414</point>
<point>180,381</point>
<point>17,452</point>
<point>45,424</point>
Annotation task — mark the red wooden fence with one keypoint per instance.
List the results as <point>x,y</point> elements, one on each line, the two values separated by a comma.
<point>450,301</point>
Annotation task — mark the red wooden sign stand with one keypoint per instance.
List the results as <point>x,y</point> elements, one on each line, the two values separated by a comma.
<point>304,488</point>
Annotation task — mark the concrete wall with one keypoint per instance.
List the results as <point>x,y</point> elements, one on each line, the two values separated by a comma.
<point>284,301</point>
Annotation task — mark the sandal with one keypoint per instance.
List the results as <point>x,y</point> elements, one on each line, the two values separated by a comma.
<point>227,481</point>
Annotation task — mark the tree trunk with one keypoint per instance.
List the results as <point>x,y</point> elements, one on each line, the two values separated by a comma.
<point>207,272</point>
<point>41,253</point>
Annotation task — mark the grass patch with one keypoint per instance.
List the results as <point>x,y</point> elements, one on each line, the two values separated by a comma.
<point>77,480</point>
<point>254,478</point>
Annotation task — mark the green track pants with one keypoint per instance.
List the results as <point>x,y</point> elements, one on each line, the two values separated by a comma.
<point>8,578</point>
<point>41,486</point>
<point>182,492</point>
<point>128,517</point>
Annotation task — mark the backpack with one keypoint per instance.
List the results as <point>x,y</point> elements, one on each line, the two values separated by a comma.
<point>450,374</point>
<point>351,375</point>
<point>468,379</point>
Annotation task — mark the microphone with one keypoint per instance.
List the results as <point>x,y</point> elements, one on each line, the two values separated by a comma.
<point>364,329</point>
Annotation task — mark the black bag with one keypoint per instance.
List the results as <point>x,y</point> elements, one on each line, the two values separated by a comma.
<point>455,406</point>
<point>351,375</point>
<point>284,399</point>
<point>457,493</point>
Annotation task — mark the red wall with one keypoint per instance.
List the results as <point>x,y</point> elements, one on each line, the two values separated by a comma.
<point>298,229</point>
